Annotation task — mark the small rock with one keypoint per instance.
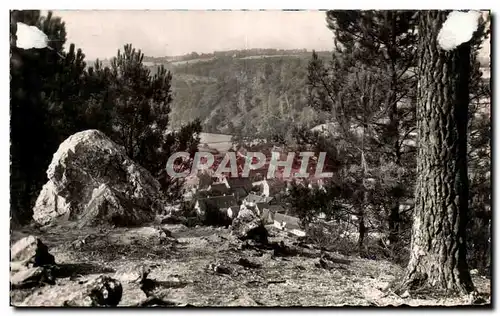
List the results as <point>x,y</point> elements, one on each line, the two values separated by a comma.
<point>248,264</point>
<point>479,300</point>
<point>130,273</point>
<point>16,266</point>
<point>102,291</point>
<point>324,264</point>
<point>244,300</point>
<point>248,226</point>
<point>220,269</point>
<point>151,287</point>
<point>165,232</point>
<point>171,219</point>
<point>282,250</point>
<point>31,250</point>
<point>332,260</point>
<point>153,301</point>
<point>78,244</point>
<point>406,294</point>
<point>474,272</point>
<point>32,277</point>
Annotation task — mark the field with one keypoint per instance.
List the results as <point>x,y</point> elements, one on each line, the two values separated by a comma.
<point>220,142</point>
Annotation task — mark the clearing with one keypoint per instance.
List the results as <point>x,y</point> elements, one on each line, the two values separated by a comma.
<point>183,268</point>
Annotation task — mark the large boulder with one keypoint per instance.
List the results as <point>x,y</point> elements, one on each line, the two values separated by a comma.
<point>92,181</point>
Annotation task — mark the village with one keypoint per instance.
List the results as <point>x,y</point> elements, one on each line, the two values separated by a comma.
<point>259,193</point>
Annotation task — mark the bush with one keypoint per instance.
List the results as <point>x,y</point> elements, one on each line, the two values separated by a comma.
<point>342,238</point>
<point>331,237</point>
<point>478,245</point>
<point>187,209</point>
<point>215,217</point>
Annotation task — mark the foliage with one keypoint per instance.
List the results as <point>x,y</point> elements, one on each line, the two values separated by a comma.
<point>54,95</point>
<point>215,217</point>
<point>479,159</point>
<point>40,80</point>
<point>262,97</point>
<point>141,107</point>
<point>366,91</point>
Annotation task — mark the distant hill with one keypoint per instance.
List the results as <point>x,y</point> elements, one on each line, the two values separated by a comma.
<point>242,92</point>
<point>255,92</point>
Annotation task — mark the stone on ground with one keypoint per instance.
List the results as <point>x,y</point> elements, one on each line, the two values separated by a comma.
<point>249,226</point>
<point>32,277</point>
<point>32,250</point>
<point>102,291</point>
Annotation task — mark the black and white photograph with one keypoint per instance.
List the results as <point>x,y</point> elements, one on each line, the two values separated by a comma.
<point>250,158</point>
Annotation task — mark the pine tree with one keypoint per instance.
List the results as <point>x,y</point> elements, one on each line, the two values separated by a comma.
<point>438,248</point>
<point>186,139</point>
<point>36,90</point>
<point>134,106</point>
<point>374,52</point>
<point>141,107</point>
<point>98,98</point>
<point>65,94</point>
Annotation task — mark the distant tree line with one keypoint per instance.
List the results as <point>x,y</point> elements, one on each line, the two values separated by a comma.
<point>237,53</point>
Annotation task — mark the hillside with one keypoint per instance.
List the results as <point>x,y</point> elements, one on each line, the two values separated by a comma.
<point>255,92</point>
<point>243,95</point>
<point>249,92</point>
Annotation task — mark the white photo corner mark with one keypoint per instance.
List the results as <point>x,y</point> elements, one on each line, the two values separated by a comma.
<point>458,28</point>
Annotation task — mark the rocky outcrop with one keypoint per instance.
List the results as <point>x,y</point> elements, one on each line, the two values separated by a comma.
<point>92,181</point>
<point>249,226</point>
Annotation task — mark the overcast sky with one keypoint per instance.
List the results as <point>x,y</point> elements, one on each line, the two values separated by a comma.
<point>161,33</point>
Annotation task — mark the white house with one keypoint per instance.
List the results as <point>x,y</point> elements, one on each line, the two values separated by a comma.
<point>270,187</point>
<point>288,223</point>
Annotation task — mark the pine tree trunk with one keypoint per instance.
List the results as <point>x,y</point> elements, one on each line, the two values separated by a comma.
<point>438,248</point>
<point>393,133</point>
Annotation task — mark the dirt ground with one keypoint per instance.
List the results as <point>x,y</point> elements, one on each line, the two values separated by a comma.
<point>183,269</point>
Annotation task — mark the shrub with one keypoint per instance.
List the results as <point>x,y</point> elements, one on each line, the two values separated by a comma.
<point>215,217</point>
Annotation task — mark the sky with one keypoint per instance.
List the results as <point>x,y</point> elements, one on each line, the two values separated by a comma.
<point>168,33</point>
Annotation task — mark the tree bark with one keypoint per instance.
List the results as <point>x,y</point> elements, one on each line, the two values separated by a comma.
<point>438,247</point>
